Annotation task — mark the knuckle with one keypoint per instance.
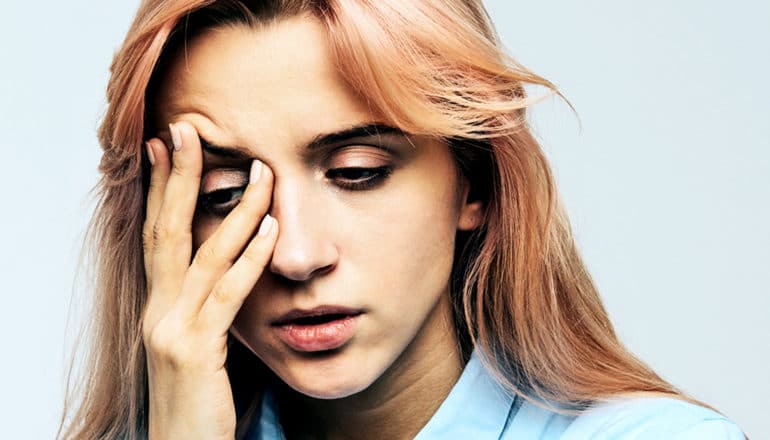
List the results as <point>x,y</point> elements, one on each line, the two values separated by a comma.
<point>167,341</point>
<point>147,238</point>
<point>207,255</point>
<point>161,233</point>
<point>148,331</point>
<point>155,183</point>
<point>222,293</point>
<point>159,341</point>
<point>256,254</point>
<point>178,169</point>
<point>184,168</point>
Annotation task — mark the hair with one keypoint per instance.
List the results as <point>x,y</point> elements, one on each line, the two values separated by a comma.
<point>523,297</point>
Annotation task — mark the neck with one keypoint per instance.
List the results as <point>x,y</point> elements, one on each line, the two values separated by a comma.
<point>399,403</point>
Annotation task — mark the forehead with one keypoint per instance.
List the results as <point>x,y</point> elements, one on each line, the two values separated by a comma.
<point>274,84</point>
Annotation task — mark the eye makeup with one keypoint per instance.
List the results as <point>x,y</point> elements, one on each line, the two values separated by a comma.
<point>221,190</point>
<point>350,162</point>
<point>357,178</point>
<point>358,167</point>
<point>221,178</point>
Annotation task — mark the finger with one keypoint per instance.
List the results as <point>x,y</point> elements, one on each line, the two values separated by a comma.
<point>160,169</point>
<point>172,232</point>
<point>229,293</point>
<point>218,253</point>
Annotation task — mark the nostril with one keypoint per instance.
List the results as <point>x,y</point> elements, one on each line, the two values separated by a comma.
<point>290,280</point>
<point>322,271</point>
<point>285,282</point>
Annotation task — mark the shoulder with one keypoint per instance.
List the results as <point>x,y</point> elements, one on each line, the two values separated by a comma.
<point>641,418</point>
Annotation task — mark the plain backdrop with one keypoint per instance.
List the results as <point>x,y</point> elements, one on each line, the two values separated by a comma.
<point>667,182</point>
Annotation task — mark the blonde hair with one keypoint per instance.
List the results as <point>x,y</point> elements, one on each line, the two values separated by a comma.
<point>522,295</point>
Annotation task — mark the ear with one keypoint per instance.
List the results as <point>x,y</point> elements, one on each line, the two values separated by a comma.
<point>471,213</point>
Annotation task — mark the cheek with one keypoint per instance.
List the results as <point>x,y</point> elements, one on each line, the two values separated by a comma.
<point>249,321</point>
<point>406,240</point>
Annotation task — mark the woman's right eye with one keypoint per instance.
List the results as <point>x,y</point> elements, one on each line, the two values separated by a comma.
<point>220,202</point>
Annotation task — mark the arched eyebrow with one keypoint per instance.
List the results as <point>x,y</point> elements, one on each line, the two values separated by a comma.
<point>365,131</point>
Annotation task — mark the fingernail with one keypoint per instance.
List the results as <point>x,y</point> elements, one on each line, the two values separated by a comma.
<point>256,171</point>
<point>266,226</point>
<point>150,154</point>
<point>176,137</point>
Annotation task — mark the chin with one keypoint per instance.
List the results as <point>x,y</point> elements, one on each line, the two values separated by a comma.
<point>328,390</point>
<point>327,383</point>
<point>331,375</point>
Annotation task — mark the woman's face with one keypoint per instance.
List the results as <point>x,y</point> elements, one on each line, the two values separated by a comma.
<point>367,217</point>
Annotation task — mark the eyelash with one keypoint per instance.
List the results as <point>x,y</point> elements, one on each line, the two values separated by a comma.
<point>378,174</point>
<point>208,201</point>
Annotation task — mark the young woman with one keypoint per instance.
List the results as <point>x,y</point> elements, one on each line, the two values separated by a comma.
<point>340,226</point>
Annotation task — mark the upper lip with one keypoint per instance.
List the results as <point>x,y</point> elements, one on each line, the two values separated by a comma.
<point>315,311</point>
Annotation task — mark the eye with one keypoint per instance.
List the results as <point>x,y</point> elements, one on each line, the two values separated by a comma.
<point>221,201</point>
<point>358,178</point>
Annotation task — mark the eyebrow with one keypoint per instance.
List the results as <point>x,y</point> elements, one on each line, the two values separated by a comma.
<point>337,137</point>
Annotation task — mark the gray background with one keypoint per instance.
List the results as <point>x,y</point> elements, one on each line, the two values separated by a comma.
<point>667,182</point>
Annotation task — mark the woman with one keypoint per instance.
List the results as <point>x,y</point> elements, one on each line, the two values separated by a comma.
<point>350,190</point>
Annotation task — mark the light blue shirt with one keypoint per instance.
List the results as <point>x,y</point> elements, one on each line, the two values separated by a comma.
<point>478,408</point>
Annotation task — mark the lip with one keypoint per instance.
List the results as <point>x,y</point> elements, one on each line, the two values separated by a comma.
<point>318,329</point>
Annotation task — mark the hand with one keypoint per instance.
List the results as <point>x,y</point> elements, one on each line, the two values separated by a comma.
<point>191,306</point>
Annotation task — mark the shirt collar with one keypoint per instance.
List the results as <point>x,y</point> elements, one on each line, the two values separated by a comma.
<point>269,426</point>
<point>477,407</point>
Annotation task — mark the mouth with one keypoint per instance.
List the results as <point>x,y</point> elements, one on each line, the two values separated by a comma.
<point>319,329</point>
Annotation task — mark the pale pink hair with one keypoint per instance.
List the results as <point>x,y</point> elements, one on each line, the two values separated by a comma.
<point>523,296</point>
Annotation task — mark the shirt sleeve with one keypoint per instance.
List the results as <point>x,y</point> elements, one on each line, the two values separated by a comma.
<point>652,418</point>
<point>712,429</point>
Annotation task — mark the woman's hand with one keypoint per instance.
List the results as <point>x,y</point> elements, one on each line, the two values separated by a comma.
<point>191,306</point>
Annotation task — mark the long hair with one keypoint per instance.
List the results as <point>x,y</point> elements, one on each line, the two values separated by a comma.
<point>522,295</point>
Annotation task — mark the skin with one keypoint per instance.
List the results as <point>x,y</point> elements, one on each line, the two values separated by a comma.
<point>386,250</point>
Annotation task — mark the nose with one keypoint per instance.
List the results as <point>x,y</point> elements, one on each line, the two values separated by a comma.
<point>304,248</point>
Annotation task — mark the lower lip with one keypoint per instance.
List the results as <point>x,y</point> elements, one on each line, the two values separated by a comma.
<point>318,337</point>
